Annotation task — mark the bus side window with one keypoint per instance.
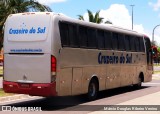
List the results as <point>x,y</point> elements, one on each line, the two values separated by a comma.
<point>92,42</point>
<point>83,36</point>
<point>141,45</point>
<point>148,50</point>
<point>108,40</point>
<point>137,44</point>
<point>64,32</point>
<point>121,42</point>
<point>127,43</point>
<point>115,41</point>
<point>100,38</point>
<point>132,43</point>
<point>74,42</point>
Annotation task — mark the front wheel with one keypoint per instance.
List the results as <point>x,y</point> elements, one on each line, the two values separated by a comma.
<point>92,90</point>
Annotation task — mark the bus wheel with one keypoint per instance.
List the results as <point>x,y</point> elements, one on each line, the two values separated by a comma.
<point>92,89</point>
<point>139,84</point>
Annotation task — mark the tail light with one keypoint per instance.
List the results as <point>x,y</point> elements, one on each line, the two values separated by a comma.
<point>53,64</point>
<point>53,68</point>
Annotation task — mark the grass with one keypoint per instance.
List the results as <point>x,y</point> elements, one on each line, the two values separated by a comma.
<point>156,72</point>
<point>156,65</point>
<point>3,94</point>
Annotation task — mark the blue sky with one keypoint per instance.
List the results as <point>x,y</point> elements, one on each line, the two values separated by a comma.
<point>146,12</point>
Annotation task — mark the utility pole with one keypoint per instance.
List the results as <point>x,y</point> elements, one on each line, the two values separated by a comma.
<point>153,32</point>
<point>132,15</point>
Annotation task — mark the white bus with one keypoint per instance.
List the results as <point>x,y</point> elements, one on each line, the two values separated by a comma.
<point>48,54</point>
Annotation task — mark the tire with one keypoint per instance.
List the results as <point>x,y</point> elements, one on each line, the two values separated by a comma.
<point>139,84</point>
<point>92,90</point>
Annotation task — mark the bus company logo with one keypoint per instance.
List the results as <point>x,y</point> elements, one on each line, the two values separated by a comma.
<point>114,59</point>
<point>24,30</point>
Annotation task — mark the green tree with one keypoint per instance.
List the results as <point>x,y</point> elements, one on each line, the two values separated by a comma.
<point>94,18</point>
<point>2,20</point>
<point>8,7</point>
<point>158,48</point>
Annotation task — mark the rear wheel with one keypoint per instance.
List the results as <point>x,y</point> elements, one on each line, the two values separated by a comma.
<point>92,90</point>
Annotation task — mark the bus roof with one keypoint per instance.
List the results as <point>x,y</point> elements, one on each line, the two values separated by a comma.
<point>109,27</point>
<point>63,17</point>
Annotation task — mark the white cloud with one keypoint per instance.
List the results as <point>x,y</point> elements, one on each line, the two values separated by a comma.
<point>119,15</point>
<point>139,28</point>
<point>48,2</point>
<point>156,35</point>
<point>155,6</point>
<point>85,16</point>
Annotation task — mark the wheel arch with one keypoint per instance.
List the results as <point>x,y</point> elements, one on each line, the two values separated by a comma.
<point>141,75</point>
<point>93,88</point>
<point>94,77</point>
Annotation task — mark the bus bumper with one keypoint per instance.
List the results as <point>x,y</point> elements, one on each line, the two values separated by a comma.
<point>45,90</point>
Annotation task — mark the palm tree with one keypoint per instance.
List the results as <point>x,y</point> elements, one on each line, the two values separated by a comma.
<point>18,6</point>
<point>81,17</point>
<point>8,7</point>
<point>94,18</point>
<point>3,17</point>
<point>108,22</point>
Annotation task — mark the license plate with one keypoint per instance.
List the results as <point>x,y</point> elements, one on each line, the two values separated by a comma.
<point>25,85</point>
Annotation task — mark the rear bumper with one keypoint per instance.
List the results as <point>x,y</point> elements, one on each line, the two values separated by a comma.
<point>45,90</point>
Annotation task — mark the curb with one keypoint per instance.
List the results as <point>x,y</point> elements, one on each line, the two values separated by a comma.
<point>158,74</point>
<point>13,98</point>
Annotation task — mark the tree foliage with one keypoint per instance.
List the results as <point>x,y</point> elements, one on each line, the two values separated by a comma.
<point>94,18</point>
